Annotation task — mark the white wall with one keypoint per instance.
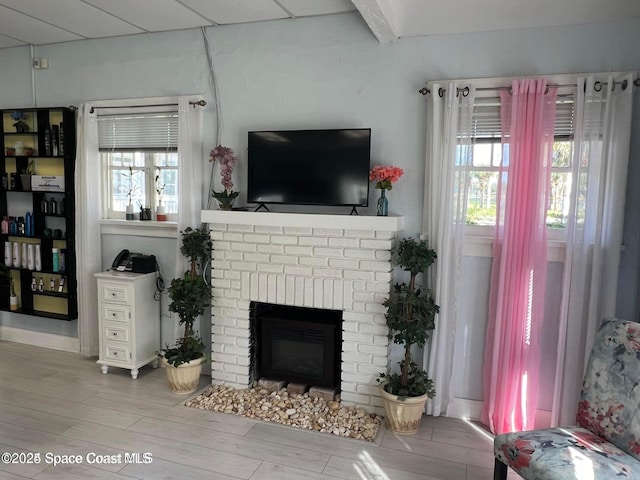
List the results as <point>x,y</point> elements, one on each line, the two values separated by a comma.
<point>318,73</point>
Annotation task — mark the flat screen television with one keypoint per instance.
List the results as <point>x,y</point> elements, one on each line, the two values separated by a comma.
<point>309,167</point>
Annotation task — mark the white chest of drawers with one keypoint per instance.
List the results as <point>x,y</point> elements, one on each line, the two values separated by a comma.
<point>129,320</point>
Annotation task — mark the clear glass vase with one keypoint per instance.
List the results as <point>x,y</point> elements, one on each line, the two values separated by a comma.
<point>383,204</point>
<point>225,203</point>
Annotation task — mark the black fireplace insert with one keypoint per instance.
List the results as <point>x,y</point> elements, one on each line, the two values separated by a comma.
<point>300,345</point>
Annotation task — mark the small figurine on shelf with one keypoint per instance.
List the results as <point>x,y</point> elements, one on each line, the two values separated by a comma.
<point>20,125</point>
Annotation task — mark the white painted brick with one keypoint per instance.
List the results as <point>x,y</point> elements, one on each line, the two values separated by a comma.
<point>240,228</point>
<point>272,286</point>
<point>373,329</point>
<point>360,233</point>
<point>244,360</point>
<point>370,369</point>
<point>262,287</point>
<point>356,357</point>
<point>297,231</point>
<point>221,264</point>
<point>224,358</point>
<point>231,255</point>
<point>327,272</point>
<point>375,308</point>
<point>278,249</point>
<point>220,283</point>
<point>349,347</point>
<point>244,247</point>
<point>299,291</point>
<point>337,295</point>
<point>348,387</point>
<point>256,238</point>
<point>244,322</point>
<point>347,294</point>
<point>328,252</point>
<point>244,304</point>
<point>368,389</point>
<point>344,242</point>
<point>358,307</point>
<point>375,266</point>
<point>256,257</point>
<point>349,397</point>
<point>378,287</point>
<point>314,261</point>
<point>308,292</point>
<point>280,289</point>
<point>372,349</point>
<point>348,367</point>
<point>218,273</point>
<point>229,293</point>
<point>358,275</point>
<point>356,378</point>
<point>244,266</point>
<point>243,380</point>
<point>227,377</point>
<point>376,244</point>
<point>384,277</point>
<point>217,348</point>
<point>363,297</point>
<point>383,255</point>
<point>267,229</point>
<point>243,342</point>
<point>216,330</point>
<point>358,338</point>
<point>359,286</point>
<point>343,263</point>
<point>314,241</point>
<point>232,275</point>
<point>303,271</point>
<point>289,289</point>
<point>232,237</point>
<point>225,321</point>
<point>235,285</point>
<point>379,361</point>
<point>239,369</point>
<point>318,292</point>
<point>362,254</point>
<point>239,332</point>
<point>216,310</point>
<point>218,292</point>
<point>356,317</point>
<point>269,268</point>
<point>216,235</point>
<point>225,339</point>
<point>220,227</point>
<point>382,235</point>
<point>253,281</point>
<point>380,298</point>
<point>246,284</point>
<point>284,240</point>
<point>327,292</point>
<point>350,327</point>
<point>284,259</point>
<point>380,340</point>
<point>297,250</point>
<point>328,232</point>
<point>236,313</point>
<point>218,246</point>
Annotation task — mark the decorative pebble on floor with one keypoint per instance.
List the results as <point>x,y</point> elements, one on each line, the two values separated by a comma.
<point>295,410</point>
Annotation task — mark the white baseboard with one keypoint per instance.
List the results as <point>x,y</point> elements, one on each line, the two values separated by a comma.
<point>40,339</point>
<point>472,410</point>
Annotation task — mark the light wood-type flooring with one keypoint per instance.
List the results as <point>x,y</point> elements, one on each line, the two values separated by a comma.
<point>59,403</point>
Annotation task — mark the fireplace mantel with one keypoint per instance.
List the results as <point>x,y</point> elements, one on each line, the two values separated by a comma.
<point>352,222</point>
<point>338,262</point>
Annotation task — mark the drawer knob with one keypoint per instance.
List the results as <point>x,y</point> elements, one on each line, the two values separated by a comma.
<point>113,314</point>
<point>113,294</point>
<point>115,334</point>
<point>115,354</point>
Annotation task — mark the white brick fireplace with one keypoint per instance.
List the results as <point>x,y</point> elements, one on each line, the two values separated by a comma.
<point>335,262</point>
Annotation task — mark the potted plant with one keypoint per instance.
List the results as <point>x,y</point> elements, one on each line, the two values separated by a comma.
<point>227,159</point>
<point>189,295</point>
<point>410,316</point>
<point>14,303</point>
<point>25,176</point>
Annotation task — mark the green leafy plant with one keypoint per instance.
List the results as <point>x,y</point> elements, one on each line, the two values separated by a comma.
<point>29,169</point>
<point>159,185</point>
<point>190,295</point>
<point>410,316</point>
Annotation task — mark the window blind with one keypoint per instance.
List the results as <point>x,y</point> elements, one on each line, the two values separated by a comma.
<point>138,132</point>
<point>486,119</point>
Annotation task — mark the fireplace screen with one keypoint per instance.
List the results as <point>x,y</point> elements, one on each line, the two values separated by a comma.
<point>300,345</point>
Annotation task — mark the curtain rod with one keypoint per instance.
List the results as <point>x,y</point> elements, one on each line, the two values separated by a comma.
<point>597,86</point>
<point>200,103</point>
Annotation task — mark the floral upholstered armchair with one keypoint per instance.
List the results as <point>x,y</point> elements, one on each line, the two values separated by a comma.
<point>606,442</point>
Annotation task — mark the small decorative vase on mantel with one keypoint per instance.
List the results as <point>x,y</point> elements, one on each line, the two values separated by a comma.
<point>129,212</point>
<point>225,203</point>
<point>161,216</point>
<point>383,205</point>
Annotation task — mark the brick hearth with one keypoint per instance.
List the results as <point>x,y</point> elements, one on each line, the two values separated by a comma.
<point>320,261</point>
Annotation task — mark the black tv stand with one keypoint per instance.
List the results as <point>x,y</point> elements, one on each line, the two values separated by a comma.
<point>260,206</point>
<point>354,211</point>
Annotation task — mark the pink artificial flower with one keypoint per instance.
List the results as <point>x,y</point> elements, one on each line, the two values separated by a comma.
<point>227,160</point>
<point>385,176</point>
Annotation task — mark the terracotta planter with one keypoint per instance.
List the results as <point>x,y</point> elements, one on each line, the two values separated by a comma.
<point>186,377</point>
<point>403,415</point>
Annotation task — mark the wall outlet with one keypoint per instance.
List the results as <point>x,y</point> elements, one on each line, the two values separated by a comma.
<point>41,63</point>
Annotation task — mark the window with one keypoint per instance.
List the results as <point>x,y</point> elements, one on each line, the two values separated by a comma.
<point>487,156</point>
<point>139,160</point>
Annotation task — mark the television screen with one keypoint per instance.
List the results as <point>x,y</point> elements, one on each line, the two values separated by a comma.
<point>309,167</point>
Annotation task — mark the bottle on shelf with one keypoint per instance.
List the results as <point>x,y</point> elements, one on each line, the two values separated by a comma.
<point>41,284</point>
<point>5,225</point>
<point>53,206</point>
<point>38,259</point>
<point>31,257</point>
<point>34,286</point>
<point>24,258</point>
<point>61,285</point>
<point>27,225</point>
<point>13,229</point>
<point>17,261</point>
<point>8,256</point>
<point>21,230</point>
<point>52,284</point>
<point>44,205</point>
<point>47,142</point>
<point>55,256</point>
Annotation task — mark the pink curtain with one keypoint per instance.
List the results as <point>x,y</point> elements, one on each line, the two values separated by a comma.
<point>516,304</point>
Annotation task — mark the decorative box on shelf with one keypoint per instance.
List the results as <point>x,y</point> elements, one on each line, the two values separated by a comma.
<point>50,183</point>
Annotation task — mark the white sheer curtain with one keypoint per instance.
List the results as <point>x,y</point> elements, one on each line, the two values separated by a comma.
<point>88,239</point>
<point>190,174</point>
<point>449,156</point>
<point>594,232</point>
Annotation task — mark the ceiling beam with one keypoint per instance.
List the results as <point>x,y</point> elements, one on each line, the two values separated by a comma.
<point>378,19</point>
